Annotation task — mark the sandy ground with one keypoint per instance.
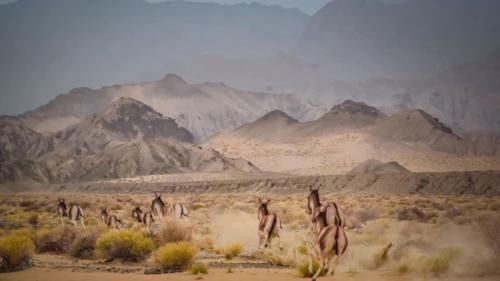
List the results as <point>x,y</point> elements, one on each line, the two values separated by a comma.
<point>44,274</point>
<point>337,154</point>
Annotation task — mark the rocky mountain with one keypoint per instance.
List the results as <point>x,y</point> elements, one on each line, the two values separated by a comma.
<point>53,45</point>
<point>19,141</point>
<point>276,125</point>
<point>413,128</point>
<point>372,166</point>
<point>466,96</point>
<point>418,127</point>
<point>413,39</point>
<point>203,109</point>
<point>127,138</point>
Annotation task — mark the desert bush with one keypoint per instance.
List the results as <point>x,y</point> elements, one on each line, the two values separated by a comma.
<point>413,214</point>
<point>173,230</point>
<point>206,244</point>
<point>16,252</point>
<point>34,220</point>
<point>124,244</point>
<point>55,240</point>
<point>84,245</point>
<point>199,268</point>
<point>303,269</point>
<point>365,215</point>
<point>233,250</point>
<point>488,225</point>
<point>179,254</point>
<point>275,259</point>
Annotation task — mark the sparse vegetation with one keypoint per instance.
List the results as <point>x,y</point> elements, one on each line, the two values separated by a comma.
<point>303,269</point>
<point>233,250</point>
<point>173,230</point>
<point>15,252</point>
<point>55,240</point>
<point>124,244</point>
<point>176,255</point>
<point>199,268</point>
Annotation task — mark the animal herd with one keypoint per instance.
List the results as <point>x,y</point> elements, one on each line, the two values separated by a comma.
<point>327,239</point>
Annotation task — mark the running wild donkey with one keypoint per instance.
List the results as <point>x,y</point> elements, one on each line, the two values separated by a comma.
<point>269,225</point>
<point>145,219</point>
<point>177,210</point>
<point>111,221</point>
<point>328,239</point>
<point>74,213</point>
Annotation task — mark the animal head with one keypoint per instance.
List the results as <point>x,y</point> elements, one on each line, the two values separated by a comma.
<point>263,210</point>
<point>157,200</point>
<point>61,207</point>
<point>312,199</point>
<point>104,211</point>
<point>136,213</point>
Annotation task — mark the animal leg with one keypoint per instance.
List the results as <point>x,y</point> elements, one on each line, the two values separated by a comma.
<point>74,222</point>
<point>62,221</point>
<point>333,262</point>
<point>320,269</point>
<point>82,221</point>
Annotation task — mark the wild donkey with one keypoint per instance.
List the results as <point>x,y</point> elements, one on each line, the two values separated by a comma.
<point>328,240</point>
<point>334,214</point>
<point>269,225</point>
<point>146,219</point>
<point>177,210</point>
<point>111,221</point>
<point>74,213</point>
<point>158,207</point>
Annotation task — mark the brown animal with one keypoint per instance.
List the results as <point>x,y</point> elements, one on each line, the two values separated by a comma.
<point>145,219</point>
<point>74,213</point>
<point>334,214</point>
<point>158,207</point>
<point>269,225</point>
<point>330,245</point>
<point>110,220</point>
<point>178,210</point>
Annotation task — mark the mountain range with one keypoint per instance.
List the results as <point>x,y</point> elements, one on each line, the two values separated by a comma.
<point>204,109</point>
<point>125,139</point>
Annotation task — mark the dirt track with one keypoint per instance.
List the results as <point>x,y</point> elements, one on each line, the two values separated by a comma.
<point>449,183</point>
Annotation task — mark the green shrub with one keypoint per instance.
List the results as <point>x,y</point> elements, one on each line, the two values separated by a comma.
<point>175,255</point>
<point>232,251</point>
<point>55,240</point>
<point>303,269</point>
<point>16,252</point>
<point>124,244</point>
<point>199,268</point>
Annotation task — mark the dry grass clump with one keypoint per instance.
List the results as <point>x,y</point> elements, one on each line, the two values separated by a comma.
<point>175,255</point>
<point>124,244</point>
<point>303,269</point>
<point>55,240</point>
<point>413,214</point>
<point>83,247</point>
<point>233,250</point>
<point>275,260</point>
<point>199,268</point>
<point>206,244</point>
<point>15,252</point>
<point>173,230</point>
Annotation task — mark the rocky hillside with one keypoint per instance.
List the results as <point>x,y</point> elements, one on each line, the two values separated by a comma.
<point>372,166</point>
<point>203,109</point>
<point>126,139</point>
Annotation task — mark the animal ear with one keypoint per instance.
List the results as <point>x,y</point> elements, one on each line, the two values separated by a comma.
<point>268,200</point>
<point>260,201</point>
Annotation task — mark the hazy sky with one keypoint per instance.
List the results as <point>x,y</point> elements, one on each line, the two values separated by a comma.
<point>308,6</point>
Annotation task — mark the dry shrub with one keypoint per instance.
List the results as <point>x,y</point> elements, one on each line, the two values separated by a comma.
<point>124,244</point>
<point>199,268</point>
<point>84,245</point>
<point>55,240</point>
<point>275,260</point>
<point>206,244</point>
<point>489,225</point>
<point>413,214</point>
<point>303,269</point>
<point>175,255</point>
<point>16,252</point>
<point>173,230</point>
<point>233,250</point>
<point>365,215</point>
